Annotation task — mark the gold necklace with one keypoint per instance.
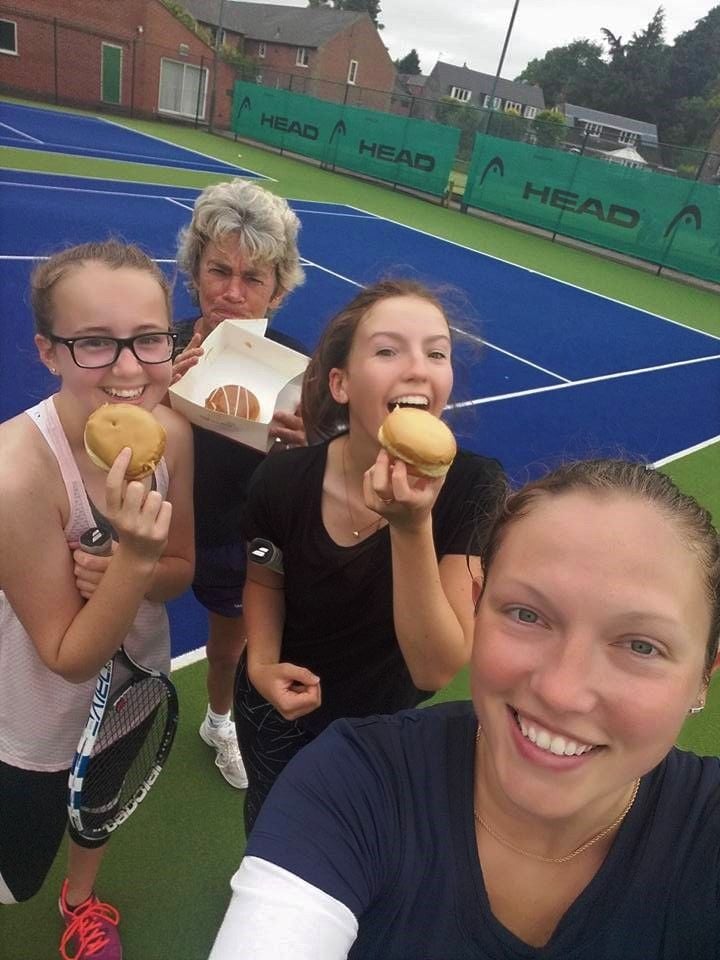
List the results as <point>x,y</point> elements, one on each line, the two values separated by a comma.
<point>374,523</point>
<point>574,853</point>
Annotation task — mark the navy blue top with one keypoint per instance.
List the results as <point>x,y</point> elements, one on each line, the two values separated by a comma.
<point>378,813</point>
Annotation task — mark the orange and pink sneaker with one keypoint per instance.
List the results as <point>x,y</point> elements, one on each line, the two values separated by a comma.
<point>90,930</point>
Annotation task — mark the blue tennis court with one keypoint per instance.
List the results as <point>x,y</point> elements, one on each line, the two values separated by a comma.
<point>545,370</point>
<point>34,128</point>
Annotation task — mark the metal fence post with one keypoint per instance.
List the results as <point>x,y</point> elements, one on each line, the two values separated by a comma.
<point>55,57</point>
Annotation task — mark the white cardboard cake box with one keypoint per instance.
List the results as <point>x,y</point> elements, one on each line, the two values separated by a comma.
<point>237,352</point>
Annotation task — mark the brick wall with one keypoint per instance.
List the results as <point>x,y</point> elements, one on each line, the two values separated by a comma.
<point>60,59</point>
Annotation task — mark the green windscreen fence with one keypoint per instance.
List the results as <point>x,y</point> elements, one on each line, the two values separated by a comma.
<point>660,218</point>
<point>413,153</point>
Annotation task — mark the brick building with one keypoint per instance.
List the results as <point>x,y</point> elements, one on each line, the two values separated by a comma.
<point>131,56</point>
<point>332,54</point>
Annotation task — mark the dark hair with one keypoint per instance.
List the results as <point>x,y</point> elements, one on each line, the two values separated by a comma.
<point>635,479</point>
<point>322,415</point>
<point>112,253</point>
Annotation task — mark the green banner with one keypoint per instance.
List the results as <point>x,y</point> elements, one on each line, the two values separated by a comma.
<point>653,216</point>
<point>414,153</point>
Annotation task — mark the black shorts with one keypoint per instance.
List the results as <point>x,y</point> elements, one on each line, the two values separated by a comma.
<point>220,578</point>
<point>33,817</point>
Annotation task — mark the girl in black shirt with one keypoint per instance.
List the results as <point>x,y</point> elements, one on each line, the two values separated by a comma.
<point>373,610</point>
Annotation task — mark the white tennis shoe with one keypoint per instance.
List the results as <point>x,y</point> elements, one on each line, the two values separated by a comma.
<point>228,759</point>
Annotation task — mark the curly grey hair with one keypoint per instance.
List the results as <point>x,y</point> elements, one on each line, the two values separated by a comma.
<point>265,226</point>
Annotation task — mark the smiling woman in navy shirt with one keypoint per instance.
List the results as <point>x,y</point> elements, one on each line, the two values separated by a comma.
<point>552,817</point>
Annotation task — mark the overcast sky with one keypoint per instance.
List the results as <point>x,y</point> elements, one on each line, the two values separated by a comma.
<point>472,31</point>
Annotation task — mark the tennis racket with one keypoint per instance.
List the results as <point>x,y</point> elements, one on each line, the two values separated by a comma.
<point>126,740</point>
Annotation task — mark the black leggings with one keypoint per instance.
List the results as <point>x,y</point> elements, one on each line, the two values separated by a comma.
<point>33,817</point>
<point>268,742</point>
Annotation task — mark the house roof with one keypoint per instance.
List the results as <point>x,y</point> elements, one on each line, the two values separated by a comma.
<point>448,75</point>
<point>646,131</point>
<point>625,153</point>
<point>274,23</point>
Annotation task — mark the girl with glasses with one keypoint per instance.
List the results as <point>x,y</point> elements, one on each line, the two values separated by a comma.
<point>102,316</point>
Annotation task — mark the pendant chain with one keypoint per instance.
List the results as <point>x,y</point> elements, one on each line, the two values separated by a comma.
<point>574,853</point>
<point>356,531</point>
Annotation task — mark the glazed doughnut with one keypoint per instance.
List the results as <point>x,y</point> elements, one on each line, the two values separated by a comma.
<point>116,425</point>
<point>235,401</point>
<point>423,441</point>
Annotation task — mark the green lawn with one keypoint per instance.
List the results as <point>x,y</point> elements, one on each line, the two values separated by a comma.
<point>168,868</point>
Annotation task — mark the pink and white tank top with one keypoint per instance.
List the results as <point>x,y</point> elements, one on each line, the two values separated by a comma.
<point>41,714</point>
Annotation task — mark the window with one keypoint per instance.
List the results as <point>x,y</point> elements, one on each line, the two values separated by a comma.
<point>184,50</point>
<point>626,136</point>
<point>301,58</point>
<point>352,71</point>
<point>262,50</point>
<point>459,93</point>
<point>182,89</point>
<point>8,36</point>
<point>530,112</point>
<point>497,103</point>
<point>486,100</point>
<point>513,105</point>
<point>592,129</point>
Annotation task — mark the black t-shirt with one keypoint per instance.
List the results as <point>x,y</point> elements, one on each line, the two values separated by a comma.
<point>378,813</point>
<point>338,600</point>
<point>223,468</point>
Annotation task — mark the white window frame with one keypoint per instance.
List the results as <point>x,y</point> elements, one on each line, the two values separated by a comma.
<point>628,137</point>
<point>262,49</point>
<point>530,112</point>
<point>183,50</point>
<point>461,94</point>
<point>593,129</point>
<point>497,103</point>
<point>301,57</point>
<point>191,66</point>
<point>6,50</point>
<point>352,72</point>
<point>513,105</point>
<point>486,101</point>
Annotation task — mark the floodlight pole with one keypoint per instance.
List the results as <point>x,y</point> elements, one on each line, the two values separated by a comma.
<point>213,97</point>
<point>502,61</point>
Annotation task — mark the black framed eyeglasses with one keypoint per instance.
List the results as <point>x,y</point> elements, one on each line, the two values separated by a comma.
<point>94,352</point>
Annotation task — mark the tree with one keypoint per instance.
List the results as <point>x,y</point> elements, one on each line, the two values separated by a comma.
<point>694,58</point>
<point>410,63</point>
<point>568,74</point>
<point>638,76</point>
<point>549,127</point>
<point>508,124</point>
<point>468,119</point>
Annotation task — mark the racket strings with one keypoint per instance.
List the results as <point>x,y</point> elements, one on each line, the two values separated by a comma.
<point>125,751</point>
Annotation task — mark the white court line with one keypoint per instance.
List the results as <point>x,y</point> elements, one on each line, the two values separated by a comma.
<point>187,659</point>
<point>515,356</point>
<point>687,451</point>
<point>180,203</point>
<point>539,273</point>
<point>8,256</point>
<point>199,153</point>
<point>83,176</point>
<point>580,383</point>
<point>20,133</point>
<point>311,263</point>
<point>104,193</point>
<point>329,213</point>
